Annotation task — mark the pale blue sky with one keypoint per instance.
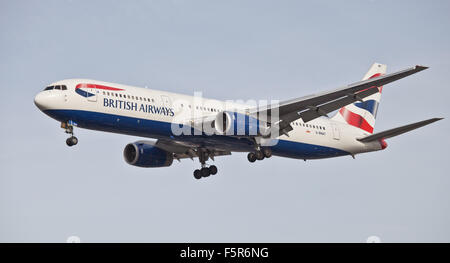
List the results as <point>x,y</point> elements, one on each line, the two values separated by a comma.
<point>227,50</point>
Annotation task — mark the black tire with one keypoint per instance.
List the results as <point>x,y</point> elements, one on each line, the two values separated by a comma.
<point>259,155</point>
<point>74,140</point>
<point>197,174</point>
<point>213,169</point>
<point>251,157</point>
<point>69,142</point>
<point>267,152</point>
<point>205,172</point>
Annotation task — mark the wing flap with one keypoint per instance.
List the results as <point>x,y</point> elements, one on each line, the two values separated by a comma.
<point>322,110</point>
<point>287,108</point>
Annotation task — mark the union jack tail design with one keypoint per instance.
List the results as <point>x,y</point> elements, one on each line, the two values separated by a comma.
<point>362,114</point>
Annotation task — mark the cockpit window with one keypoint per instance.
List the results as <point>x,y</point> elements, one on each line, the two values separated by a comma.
<point>58,87</point>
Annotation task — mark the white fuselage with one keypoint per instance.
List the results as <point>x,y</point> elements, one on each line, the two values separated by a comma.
<point>146,112</point>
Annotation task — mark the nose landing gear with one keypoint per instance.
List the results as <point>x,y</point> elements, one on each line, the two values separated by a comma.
<point>71,141</point>
<point>68,128</point>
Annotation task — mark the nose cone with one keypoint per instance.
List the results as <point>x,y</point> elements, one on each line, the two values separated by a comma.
<point>41,101</point>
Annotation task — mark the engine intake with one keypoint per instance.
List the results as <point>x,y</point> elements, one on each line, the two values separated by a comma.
<point>145,154</point>
<point>238,124</point>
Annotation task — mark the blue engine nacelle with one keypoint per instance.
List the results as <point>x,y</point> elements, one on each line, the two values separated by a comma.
<point>144,154</point>
<point>237,124</point>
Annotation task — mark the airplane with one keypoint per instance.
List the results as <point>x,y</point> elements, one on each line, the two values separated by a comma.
<point>181,126</point>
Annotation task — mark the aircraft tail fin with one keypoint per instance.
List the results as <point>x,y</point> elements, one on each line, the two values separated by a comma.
<point>362,114</point>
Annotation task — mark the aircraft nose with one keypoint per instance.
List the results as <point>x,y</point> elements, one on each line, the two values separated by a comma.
<point>41,101</point>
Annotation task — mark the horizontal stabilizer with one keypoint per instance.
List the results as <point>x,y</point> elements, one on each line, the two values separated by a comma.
<point>397,131</point>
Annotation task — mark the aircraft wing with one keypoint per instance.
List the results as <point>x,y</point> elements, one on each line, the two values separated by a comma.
<point>316,105</point>
<point>397,131</point>
<point>182,150</point>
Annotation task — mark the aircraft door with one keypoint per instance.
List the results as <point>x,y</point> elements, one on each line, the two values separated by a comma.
<point>166,101</point>
<point>336,131</point>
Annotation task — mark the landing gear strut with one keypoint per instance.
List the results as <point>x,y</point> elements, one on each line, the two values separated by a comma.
<point>68,128</point>
<point>259,155</point>
<point>205,171</point>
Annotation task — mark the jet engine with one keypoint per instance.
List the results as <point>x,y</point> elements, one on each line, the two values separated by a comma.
<point>145,154</point>
<point>237,124</point>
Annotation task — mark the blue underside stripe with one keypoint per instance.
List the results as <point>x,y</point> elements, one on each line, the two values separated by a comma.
<point>157,129</point>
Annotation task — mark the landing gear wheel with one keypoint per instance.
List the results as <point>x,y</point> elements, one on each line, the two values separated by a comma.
<point>197,174</point>
<point>205,172</point>
<point>259,155</point>
<point>71,141</point>
<point>251,157</point>
<point>212,169</point>
<point>267,152</point>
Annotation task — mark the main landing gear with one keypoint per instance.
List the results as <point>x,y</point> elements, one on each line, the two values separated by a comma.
<point>68,128</point>
<point>259,155</point>
<point>205,171</point>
